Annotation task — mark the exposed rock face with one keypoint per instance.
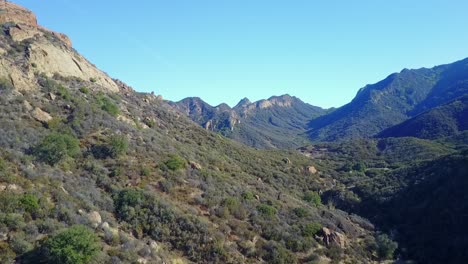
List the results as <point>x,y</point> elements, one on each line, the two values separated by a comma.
<point>50,53</point>
<point>15,13</point>
<point>333,238</point>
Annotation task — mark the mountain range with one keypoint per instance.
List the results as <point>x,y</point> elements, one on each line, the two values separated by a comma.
<point>92,171</point>
<point>287,122</point>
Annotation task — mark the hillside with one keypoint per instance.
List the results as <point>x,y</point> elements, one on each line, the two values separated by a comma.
<point>278,122</point>
<point>389,102</point>
<point>412,188</point>
<point>93,172</point>
<point>442,121</point>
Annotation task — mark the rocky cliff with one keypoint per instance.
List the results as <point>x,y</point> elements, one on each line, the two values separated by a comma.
<point>37,50</point>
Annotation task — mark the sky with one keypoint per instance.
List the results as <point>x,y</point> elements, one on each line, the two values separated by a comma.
<point>321,51</point>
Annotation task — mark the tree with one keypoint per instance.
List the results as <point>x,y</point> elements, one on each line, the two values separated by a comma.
<point>75,245</point>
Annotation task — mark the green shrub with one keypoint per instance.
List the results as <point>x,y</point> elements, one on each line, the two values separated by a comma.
<point>118,145</point>
<point>108,105</point>
<point>84,90</point>
<point>385,247</point>
<point>5,84</point>
<point>248,196</point>
<point>310,230</point>
<point>313,198</point>
<point>92,79</point>
<point>75,245</point>
<point>266,210</point>
<point>300,212</point>
<point>55,147</point>
<point>30,203</point>
<point>145,171</point>
<point>175,163</point>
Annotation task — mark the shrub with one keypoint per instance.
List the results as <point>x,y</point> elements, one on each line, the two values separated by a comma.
<point>108,105</point>
<point>118,145</point>
<point>311,229</point>
<point>313,198</point>
<point>300,212</point>
<point>248,196</point>
<point>5,84</point>
<point>266,210</point>
<point>55,147</point>
<point>175,163</point>
<point>92,79</point>
<point>84,90</point>
<point>30,203</point>
<point>75,245</point>
<point>385,247</point>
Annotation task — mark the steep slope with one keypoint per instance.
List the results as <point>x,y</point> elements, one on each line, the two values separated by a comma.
<point>399,97</point>
<point>278,122</point>
<point>412,187</point>
<point>93,172</point>
<point>442,121</point>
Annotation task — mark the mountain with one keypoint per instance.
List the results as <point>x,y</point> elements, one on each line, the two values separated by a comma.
<point>412,188</point>
<point>446,120</point>
<point>92,171</point>
<point>279,122</point>
<point>387,103</point>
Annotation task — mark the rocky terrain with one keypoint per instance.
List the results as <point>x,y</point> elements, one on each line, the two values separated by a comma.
<point>92,171</point>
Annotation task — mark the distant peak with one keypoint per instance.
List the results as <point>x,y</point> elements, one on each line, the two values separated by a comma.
<point>244,102</point>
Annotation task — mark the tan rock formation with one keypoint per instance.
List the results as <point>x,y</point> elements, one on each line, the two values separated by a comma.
<point>49,57</point>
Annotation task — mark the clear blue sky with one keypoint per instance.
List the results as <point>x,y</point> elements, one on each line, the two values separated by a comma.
<point>322,51</point>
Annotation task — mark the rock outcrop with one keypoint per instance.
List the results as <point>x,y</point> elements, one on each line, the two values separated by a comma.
<point>49,52</point>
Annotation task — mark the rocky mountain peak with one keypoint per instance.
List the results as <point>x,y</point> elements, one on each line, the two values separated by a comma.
<point>243,103</point>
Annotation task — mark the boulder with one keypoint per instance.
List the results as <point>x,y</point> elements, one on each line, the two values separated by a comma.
<point>41,116</point>
<point>330,237</point>
<point>311,170</point>
<point>95,218</point>
<point>195,166</point>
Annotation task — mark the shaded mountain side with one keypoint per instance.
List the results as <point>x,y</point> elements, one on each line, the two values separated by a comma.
<point>442,121</point>
<point>391,101</point>
<point>413,188</point>
<point>97,173</point>
<point>278,122</point>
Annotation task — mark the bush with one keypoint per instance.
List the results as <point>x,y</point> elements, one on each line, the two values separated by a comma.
<point>84,90</point>
<point>266,210</point>
<point>30,203</point>
<point>175,163</point>
<point>108,105</point>
<point>311,229</point>
<point>118,145</point>
<point>385,247</point>
<point>313,198</point>
<point>55,147</point>
<point>76,245</point>
<point>300,212</point>
<point>5,84</point>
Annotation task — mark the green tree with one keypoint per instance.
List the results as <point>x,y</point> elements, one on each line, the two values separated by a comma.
<point>55,147</point>
<point>75,245</point>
